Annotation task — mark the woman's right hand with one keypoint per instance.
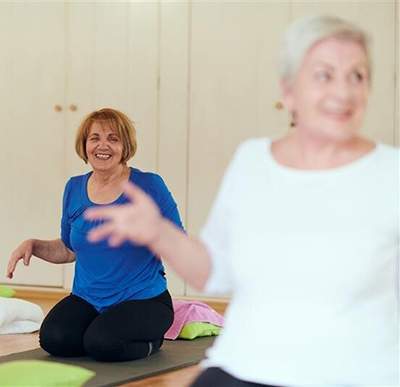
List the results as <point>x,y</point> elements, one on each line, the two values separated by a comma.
<point>141,222</point>
<point>138,221</point>
<point>23,251</point>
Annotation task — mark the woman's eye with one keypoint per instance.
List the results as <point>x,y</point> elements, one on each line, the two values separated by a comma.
<point>113,139</point>
<point>356,77</point>
<point>322,76</point>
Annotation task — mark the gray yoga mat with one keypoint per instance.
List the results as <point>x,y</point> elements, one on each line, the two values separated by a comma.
<point>173,355</point>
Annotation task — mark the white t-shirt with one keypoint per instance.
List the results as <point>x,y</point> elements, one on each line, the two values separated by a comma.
<point>312,259</point>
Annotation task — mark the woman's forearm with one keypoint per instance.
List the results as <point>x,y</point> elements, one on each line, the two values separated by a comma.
<point>187,256</point>
<point>53,251</point>
<point>141,222</point>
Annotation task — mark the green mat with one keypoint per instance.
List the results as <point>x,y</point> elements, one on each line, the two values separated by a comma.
<point>173,355</point>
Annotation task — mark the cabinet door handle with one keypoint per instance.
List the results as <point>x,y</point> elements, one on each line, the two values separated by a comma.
<point>73,108</point>
<point>57,108</point>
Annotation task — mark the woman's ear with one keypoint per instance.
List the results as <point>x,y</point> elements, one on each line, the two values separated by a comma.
<point>288,100</point>
<point>287,95</point>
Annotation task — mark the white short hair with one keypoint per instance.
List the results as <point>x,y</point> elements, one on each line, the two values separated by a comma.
<point>304,33</point>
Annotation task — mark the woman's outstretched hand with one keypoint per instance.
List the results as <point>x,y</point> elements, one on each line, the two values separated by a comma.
<point>23,251</point>
<point>139,221</point>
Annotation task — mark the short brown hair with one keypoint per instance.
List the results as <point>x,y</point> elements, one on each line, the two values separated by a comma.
<point>118,122</point>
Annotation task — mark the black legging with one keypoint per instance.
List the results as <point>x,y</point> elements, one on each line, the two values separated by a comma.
<point>127,331</point>
<point>216,377</point>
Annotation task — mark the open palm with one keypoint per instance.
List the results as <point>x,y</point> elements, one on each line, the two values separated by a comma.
<point>138,221</point>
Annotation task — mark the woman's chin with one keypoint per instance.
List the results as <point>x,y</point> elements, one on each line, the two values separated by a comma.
<point>102,166</point>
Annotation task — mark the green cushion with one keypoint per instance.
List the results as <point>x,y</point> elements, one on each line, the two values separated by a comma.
<point>42,373</point>
<point>6,291</point>
<point>199,329</point>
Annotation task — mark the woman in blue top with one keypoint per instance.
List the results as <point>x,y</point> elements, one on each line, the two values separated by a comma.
<point>120,307</point>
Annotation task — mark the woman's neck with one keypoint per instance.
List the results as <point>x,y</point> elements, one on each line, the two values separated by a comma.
<point>320,147</point>
<point>304,151</point>
<point>105,178</point>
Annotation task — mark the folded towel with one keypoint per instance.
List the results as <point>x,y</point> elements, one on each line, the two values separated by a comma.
<point>19,316</point>
<point>191,311</point>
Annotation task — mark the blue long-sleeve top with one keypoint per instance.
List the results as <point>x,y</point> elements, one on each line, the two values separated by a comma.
<point>105,276</point>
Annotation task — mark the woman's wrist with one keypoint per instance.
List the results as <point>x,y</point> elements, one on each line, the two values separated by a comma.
<point>166,236</point>
<point>32,243</point>
<point>156,243</point>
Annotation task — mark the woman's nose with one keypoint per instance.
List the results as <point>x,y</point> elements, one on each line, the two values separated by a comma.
<point>342,90</point>
<point>103,143</point>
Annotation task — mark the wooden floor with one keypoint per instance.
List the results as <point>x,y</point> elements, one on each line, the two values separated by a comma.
<point>23,342</point>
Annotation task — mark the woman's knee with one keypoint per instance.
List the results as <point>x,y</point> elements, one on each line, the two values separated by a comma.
<point>61,333</point>
<point>114,348</point>
<point>60,341</point>
<point>102,347</point>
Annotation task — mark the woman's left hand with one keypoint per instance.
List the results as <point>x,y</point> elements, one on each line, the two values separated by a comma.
<point>138,221</point>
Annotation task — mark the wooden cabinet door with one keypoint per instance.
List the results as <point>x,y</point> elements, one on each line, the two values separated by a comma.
<point>32,75</point>
<point>234,88</point>
<point>173,109</point>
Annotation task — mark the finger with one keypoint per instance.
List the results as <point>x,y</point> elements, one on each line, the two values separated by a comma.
<point>10,272</point>
<point>11,267</point>
<point>100,213</point>
<point>99,233</point>
<point>116,240</point>
<point>27,258</point>
<point>134,193</point>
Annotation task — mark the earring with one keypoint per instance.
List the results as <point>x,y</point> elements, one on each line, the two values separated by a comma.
<point>293,120</point>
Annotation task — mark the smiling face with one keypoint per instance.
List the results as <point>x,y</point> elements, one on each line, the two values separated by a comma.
<point>103,147</point>
<point>329,93</point>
